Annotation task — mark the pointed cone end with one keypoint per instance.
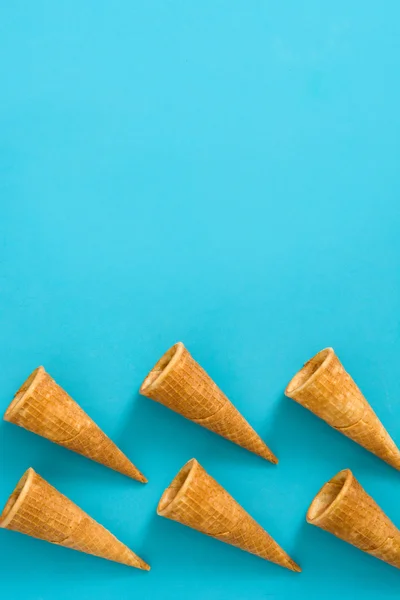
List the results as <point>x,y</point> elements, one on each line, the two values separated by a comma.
<point>273,459</point>
<point>144,566</point>
<point>292,566</point>
<point>287,563</point>
<point>266,453</point>
<point>138,563</point>
<point>134,473</point>
<point>142,478</point>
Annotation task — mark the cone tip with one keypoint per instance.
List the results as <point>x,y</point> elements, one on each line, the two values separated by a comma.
<point>129,469</point>
<point>294,566</point>
<point>273,459</point>
<point>136,562</point>
<point>133,560</point>
<point>267,454</point>
<point>136,475</point>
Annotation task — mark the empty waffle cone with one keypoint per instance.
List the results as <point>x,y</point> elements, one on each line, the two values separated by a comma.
<point>344,508</point>
<point>195,499</point>
<point>180,383</point>
<point>324,387</point>
<point>37,509</point>
<point>43,407</point>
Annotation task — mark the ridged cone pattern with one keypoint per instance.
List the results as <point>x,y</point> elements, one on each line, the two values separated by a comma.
<point>181,384</point>
<point>344,508</point>
<point>195,499</point>
<point>324,387</point>
<point>37,509</point>
<point>43,407</point>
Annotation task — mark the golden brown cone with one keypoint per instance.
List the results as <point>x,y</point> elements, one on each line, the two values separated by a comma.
<point>344,508</point>
<point>37,509</point>
<point>195,499</point>
<point>325,388</point>
<point>180,383</point>
<point>43,407</point>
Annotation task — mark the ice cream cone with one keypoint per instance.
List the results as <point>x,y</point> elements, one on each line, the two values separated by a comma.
<point>325,388</point>
<point>178,382</point>
<point>195,499</point>
<point>344,508</point>
<point>37,509</point>
<point>42,406</point>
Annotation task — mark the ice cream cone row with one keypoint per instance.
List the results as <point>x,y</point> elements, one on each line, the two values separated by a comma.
<point>195,499</point>
<point>324,387</point>
<point>37,509</point>
<point>43,407</point>
<point>344,508</point>
<point>180,383</point>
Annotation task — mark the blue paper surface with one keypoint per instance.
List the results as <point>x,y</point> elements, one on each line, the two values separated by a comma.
<point>222,173</point>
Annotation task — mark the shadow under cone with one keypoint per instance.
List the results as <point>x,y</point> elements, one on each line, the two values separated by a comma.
<point>37,509</point>
<point>180,383</point>
<point>195,499</point>
<point>43,407</point>
<point>324,387</point>
<point>344,508</point>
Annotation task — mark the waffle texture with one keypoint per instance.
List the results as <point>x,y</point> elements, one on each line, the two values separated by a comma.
<point>43,407</point>
<point>195,499</point>
<point>180,383</point>
<point>344,508</point>
<point>37,509</point>
<point>324,387</point>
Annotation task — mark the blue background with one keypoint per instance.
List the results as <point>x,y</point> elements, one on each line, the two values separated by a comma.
<point>223,173</point>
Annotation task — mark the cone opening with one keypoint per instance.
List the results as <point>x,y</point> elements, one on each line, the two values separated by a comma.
<point>16,498</point>
<point>177,488</point>
<point>21,394</point>
<point>308,373</point>
<point>328,496</point>
<point>161,369</point>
